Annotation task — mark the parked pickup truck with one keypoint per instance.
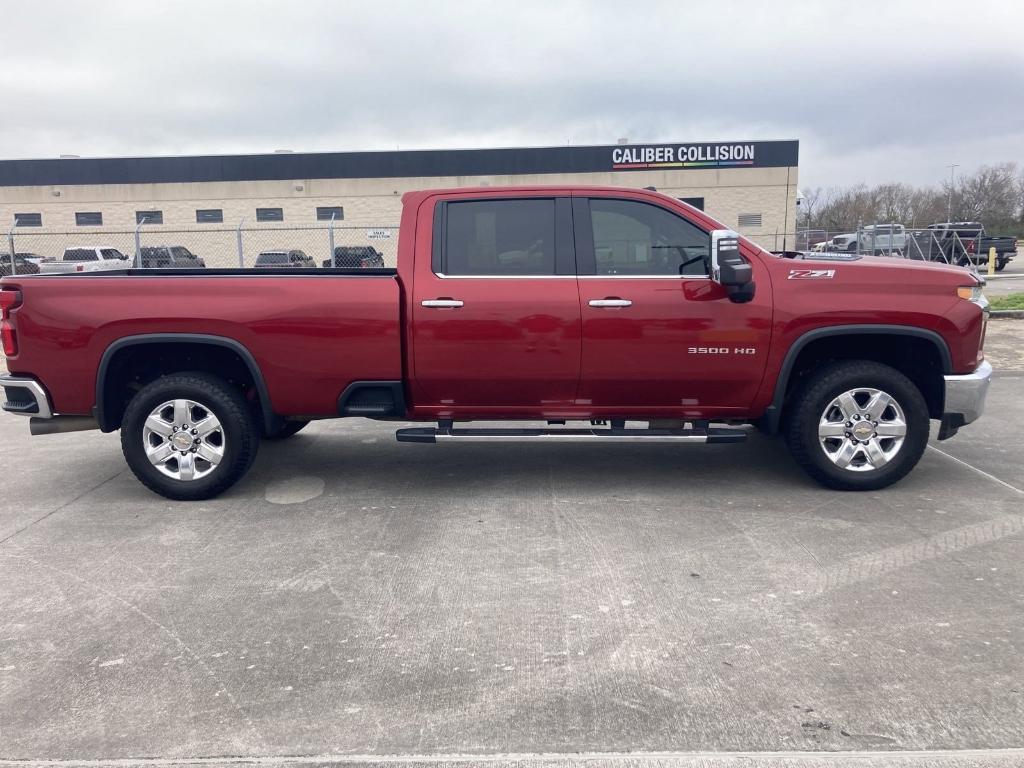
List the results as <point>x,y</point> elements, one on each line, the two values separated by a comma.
<point>965,243</point>
<point>88,259</point>
<point>623,309</point>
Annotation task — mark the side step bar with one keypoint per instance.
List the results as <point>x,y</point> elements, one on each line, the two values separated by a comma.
<point>710,435</point>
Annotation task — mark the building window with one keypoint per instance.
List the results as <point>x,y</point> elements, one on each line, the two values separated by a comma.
<point>209,216</point>
<point>326,213</point>
<point>89,219</point>
<point>28,219</point>
<point>269,214</point>
<point>696,202</point>
<point>149,217</point>
<point>749,219</point>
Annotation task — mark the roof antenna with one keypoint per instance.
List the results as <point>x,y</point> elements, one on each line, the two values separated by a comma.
<point>651,189</point>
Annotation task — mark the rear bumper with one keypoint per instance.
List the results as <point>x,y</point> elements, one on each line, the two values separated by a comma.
<point>965,399</point>
<point>25,397</point>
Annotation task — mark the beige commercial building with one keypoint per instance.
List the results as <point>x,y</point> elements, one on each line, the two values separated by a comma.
<point>289,199</point>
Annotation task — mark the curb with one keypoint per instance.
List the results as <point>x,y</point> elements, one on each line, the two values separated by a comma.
<point>1006,314</point>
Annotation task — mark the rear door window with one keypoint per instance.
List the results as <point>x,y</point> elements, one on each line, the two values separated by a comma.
<point>508,238</point>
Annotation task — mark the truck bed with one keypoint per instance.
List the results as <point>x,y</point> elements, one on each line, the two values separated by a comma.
<point>312,332</point>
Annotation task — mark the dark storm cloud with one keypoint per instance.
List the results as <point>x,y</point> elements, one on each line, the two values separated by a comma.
<point>873,91</point>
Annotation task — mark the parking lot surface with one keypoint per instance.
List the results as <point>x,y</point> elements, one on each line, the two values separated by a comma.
<point>357,600</point>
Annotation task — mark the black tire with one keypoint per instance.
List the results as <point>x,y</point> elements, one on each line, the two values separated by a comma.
<point>821,387</point>
<point>241,434</point>
<point>283,433</point>
<point>852,247</point>
<point>1000,264</point>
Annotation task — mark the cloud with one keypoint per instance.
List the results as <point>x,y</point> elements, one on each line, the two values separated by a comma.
<point>874,91</point>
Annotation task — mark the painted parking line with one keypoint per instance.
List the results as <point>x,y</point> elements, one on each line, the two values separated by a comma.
<point>978,470</point>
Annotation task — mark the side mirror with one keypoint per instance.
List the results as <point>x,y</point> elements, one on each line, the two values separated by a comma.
<point>729,268</point>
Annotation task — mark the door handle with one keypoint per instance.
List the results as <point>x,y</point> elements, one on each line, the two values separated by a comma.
<point>611,303</point>
<point>442,303</point>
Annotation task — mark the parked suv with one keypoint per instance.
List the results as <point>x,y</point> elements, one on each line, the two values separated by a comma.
<point>170,257</point>
<point>285,259</point>
<point>356,257</point>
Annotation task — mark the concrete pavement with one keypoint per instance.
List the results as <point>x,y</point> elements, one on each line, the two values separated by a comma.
<point>360,601</point>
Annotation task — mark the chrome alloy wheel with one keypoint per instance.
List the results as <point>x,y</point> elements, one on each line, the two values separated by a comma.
<point>862,429</point>
<point>183,439</point>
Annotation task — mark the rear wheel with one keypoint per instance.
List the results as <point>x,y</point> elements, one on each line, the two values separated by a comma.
<point>857,425</point>
<point>188,436</point>
<point>1000,264</point>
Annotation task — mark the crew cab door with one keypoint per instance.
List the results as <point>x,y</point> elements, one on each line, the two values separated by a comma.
<point>658,333</point>
<point>495,309</point>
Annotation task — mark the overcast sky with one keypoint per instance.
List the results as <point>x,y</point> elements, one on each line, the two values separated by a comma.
<point>875,92</point>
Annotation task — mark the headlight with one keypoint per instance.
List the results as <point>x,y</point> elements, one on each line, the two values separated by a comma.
<point>975,293</point>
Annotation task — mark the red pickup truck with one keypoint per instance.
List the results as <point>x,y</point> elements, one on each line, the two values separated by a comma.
<point>626,310</point>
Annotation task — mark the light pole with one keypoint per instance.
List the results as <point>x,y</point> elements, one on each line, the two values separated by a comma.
<point>949,202</point>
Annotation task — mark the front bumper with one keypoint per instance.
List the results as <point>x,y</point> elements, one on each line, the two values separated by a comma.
<point>25,397</point>
<point>965,399</point>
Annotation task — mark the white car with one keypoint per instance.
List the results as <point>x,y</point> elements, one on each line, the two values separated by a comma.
<point>87,259</point>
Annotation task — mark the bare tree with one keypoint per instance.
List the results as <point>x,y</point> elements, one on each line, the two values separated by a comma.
<point>993,195</point>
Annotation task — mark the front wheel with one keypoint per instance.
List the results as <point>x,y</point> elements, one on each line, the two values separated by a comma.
<point>1000,264</point>
<point>857,425</point>
<point>188,436</point>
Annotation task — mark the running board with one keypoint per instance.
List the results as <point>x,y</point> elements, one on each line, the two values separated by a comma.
<point>434,435</point>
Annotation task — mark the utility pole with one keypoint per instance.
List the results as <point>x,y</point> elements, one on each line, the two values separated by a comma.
<point>949,202</point>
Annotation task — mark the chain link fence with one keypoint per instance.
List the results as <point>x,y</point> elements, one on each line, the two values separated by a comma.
<point>963,244</point>
<point>211,246</point>
<point>218,246</point>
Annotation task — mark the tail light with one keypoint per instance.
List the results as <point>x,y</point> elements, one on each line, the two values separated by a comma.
<point>971,246</point>
<point>9,299</point>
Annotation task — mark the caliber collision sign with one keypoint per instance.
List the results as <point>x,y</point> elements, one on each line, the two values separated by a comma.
<point>684,156</point>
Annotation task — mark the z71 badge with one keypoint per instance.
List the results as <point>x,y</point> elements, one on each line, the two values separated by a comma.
<point>811,274</point>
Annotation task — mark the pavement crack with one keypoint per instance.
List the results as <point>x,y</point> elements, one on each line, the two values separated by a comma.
<point>62,506</point>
